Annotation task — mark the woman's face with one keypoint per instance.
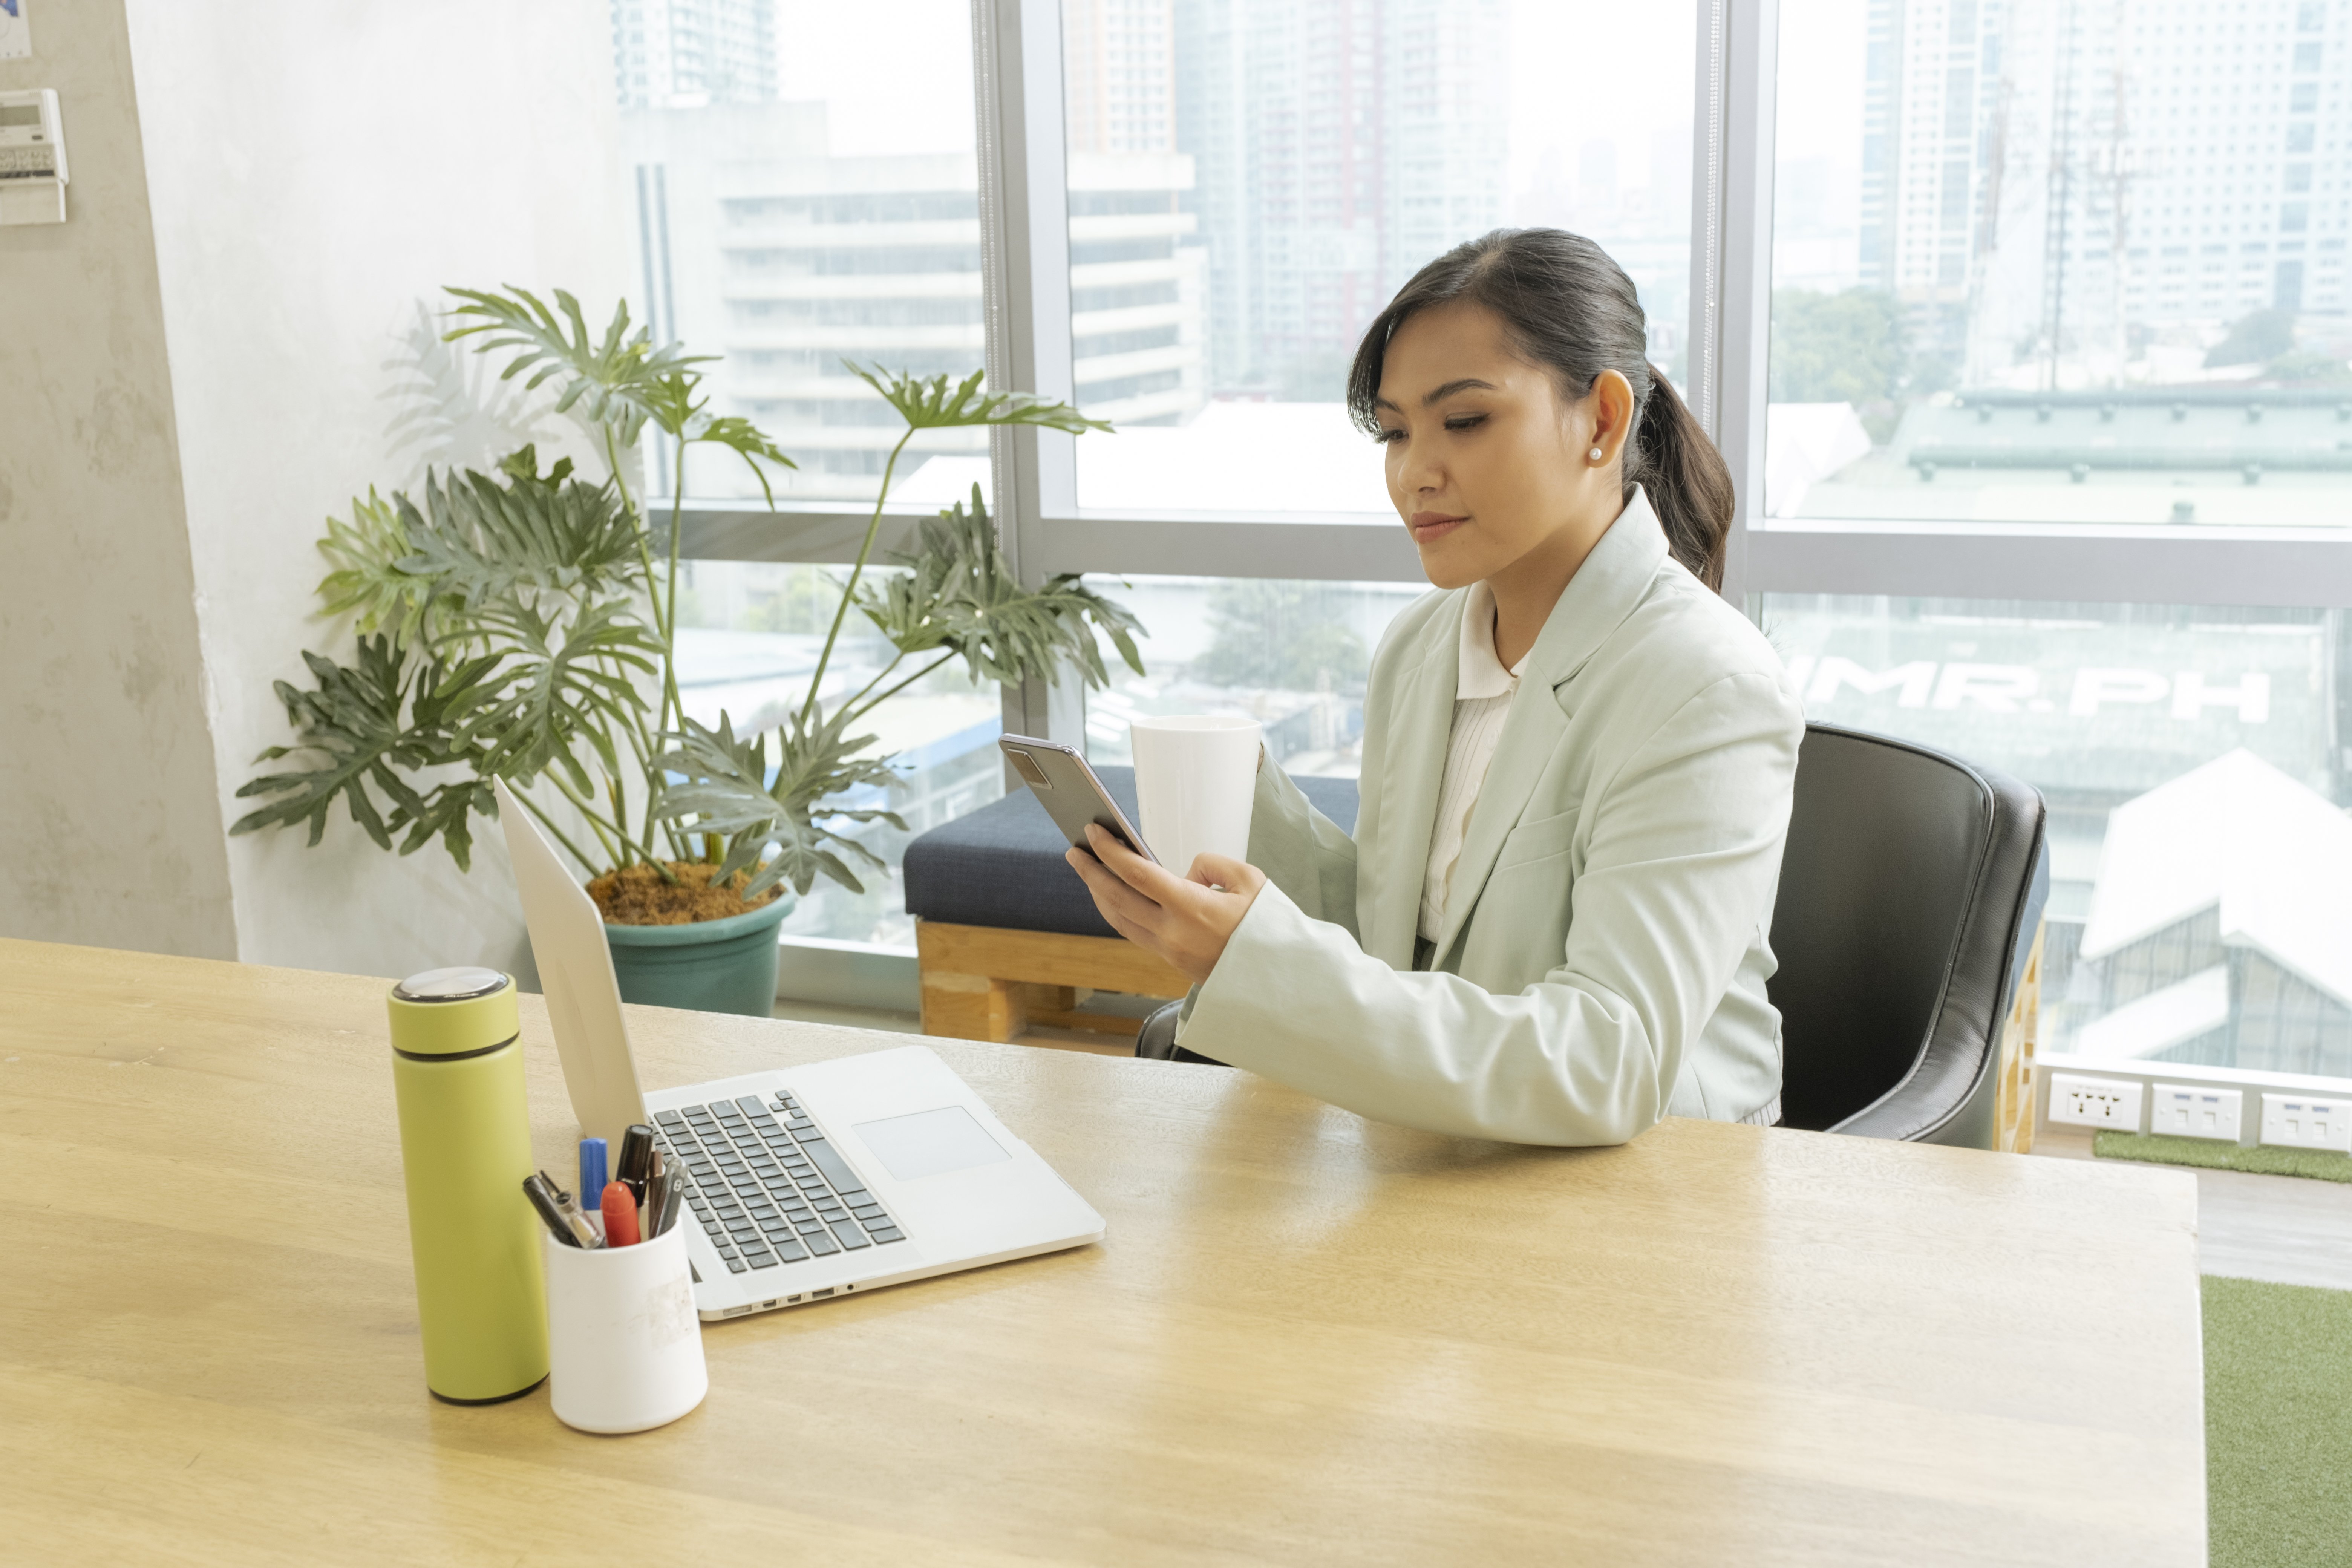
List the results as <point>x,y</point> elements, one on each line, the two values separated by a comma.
<point>1487,463</point>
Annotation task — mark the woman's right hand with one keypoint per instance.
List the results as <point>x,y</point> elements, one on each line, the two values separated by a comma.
<point>1187,921</point>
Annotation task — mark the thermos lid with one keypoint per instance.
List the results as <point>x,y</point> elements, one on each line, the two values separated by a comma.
<point>453,1012</point>
<point>448,984</point>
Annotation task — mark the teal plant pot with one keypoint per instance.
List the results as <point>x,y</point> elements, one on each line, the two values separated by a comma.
<point>710,967</point>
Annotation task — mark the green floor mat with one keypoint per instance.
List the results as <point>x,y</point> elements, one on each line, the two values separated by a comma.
<point>2278,1424</point>
<point>2207,1156</point>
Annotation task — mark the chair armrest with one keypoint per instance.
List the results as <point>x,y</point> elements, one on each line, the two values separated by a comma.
<point>1156,1041</point>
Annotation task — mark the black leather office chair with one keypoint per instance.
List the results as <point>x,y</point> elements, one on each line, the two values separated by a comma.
<point>1909,894</point>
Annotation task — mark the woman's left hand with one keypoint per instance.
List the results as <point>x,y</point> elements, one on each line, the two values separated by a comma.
<point>1186,921</point>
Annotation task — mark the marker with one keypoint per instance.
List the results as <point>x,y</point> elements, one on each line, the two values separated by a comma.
<point>620,1215</point>
<point>592,1167</point>
<point>636,1152</point>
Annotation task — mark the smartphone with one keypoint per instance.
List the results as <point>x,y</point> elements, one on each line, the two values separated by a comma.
<point>1073,796</point>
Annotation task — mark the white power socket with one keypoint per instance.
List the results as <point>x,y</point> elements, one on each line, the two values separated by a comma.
<point>2302,1121</point>
<point>2184,1111</point>
<point>2110,1102</point>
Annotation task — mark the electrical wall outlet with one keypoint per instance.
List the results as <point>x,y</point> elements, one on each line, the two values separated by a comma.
<point>2181,1111</point>
<point>2305,1121</point>
<point>2109,1102</point>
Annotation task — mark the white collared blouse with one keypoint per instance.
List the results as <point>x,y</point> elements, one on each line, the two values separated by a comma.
<point>1483,691</point>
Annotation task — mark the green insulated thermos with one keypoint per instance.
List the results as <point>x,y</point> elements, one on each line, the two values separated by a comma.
<point>465,1144</point>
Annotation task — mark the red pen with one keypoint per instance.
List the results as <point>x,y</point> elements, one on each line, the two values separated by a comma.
<point>620,1215</point>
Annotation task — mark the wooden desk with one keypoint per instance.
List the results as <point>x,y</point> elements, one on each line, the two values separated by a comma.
<point>1308,1338</point>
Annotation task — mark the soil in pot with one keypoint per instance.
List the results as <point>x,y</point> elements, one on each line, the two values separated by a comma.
<point>722,963</point>
<point>636,895</point>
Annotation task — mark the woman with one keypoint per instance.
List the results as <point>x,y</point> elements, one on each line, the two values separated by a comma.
<point>1551,924</point>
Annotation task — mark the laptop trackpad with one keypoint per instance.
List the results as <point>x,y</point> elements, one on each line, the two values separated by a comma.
<point>930,1142</point>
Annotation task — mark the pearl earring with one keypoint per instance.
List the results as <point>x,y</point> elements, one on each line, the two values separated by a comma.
<point>1594,454</point>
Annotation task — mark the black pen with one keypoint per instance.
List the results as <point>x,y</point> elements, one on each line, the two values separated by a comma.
<point>669,1217</point>
<point>542,1194</point>
<point>637,1153</point>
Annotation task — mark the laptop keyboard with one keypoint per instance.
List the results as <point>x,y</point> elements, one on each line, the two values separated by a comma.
<point>767,1187</point>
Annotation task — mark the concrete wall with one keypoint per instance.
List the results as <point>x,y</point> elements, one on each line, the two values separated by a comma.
<point>224,345</point>
<point>318,172</point>
<point>109,804</point>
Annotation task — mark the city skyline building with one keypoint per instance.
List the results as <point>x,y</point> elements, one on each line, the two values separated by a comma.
<point>1339,145</point>
<point>2235,184</point>
<point>1120,76</point>
<point>2052,192</point>
<point>758,244</point>
<point>1933,138</point>
<point>686,53</point>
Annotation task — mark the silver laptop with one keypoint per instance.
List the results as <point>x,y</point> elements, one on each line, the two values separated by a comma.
<point>805,1182</point>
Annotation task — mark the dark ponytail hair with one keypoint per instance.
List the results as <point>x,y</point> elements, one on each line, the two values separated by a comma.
<point>1570,309</point>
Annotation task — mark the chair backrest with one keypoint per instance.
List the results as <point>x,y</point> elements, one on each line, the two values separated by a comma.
<point>1909,892</point>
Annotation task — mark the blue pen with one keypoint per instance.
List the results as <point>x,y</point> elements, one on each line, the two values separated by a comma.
<point>591,1165</point>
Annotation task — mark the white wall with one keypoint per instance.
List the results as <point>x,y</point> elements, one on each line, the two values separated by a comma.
<point>315,172</point>
<point>110,816</point>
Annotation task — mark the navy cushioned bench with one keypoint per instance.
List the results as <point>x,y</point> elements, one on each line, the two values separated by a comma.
<point>1007,934</point>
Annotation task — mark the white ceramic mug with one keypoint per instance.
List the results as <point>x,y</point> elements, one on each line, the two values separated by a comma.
<point>623,1344</point>
<point>1196,780</point>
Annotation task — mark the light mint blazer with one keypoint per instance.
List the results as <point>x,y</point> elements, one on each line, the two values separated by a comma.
<point>1604,953</point>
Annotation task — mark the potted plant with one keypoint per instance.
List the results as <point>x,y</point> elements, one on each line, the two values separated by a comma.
<point>521,625</point>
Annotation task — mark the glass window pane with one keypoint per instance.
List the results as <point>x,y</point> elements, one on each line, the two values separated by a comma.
<point>2062,263</point>
<point>1291,655</point>
<point>802,189</point>
<point>1251,180</point>
<point>749,637</point>
<point>2197,771</point>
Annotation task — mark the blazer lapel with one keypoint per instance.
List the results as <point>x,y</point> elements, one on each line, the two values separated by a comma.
<point>1404,794</point>
<point>1606,587</point>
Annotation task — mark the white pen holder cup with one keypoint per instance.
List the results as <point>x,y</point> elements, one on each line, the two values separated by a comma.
<point>1195,781</point>
<point>623,1344</point>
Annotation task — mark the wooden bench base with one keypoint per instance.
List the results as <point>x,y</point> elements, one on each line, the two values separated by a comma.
<point>984,982</point>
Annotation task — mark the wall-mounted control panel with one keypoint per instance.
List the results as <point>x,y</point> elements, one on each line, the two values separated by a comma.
<point>32,157</point>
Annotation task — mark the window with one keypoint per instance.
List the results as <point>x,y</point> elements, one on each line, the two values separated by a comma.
<point>2047,458</point>
<point>1999,377</point>
<point>1292,655</point>
<point>2194,764</point>
<point>1242,207</point>
<point>1965,322</point>
<point>749,633</point>
<point>793,208</point>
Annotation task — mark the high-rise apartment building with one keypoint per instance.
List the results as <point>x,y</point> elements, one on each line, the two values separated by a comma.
<point>1448,143</point>
<point>1932,120</point>
<point>1340,145</point>
<point>1935,108</point>
<point>683,54</point>
<point>2238,185</point>
<point>1119,68</point>
<point>2052,186</point>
